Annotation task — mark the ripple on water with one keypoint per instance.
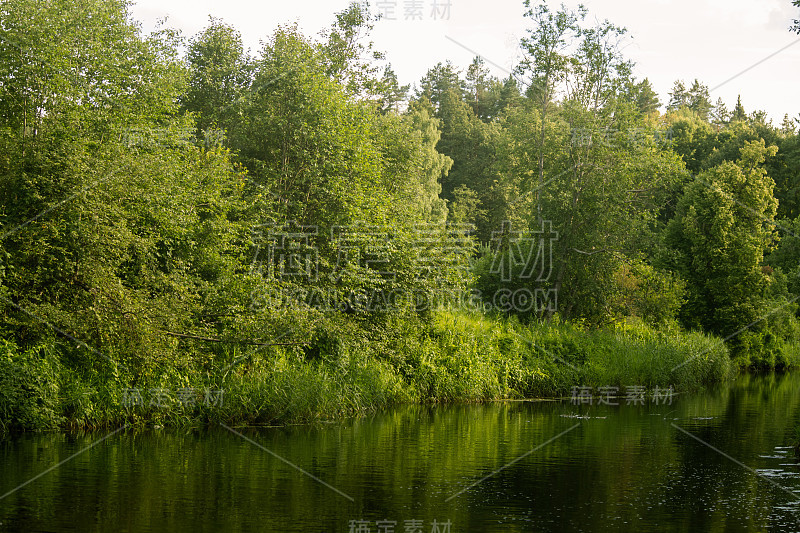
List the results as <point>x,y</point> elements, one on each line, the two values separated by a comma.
<point>775,472</point>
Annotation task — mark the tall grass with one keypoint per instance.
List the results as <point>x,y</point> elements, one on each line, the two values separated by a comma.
<point>492,358</point>
<point>448,356</point>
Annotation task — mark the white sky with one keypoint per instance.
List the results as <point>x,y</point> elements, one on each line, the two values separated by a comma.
<point>712,40</point>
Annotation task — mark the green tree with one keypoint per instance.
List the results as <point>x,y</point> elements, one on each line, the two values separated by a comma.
<point>788,125</point>
<point>348,57</point>
<point>695,98</point>
<point>692,137</point>
<point>508,95</point>
<point>318,156</point>
<point>759,117</point>
<point>220,73</point>
<point>118,223</point>
<point>478,79</point>
<point>392,94</point>
<point>720,114</point>
<point>738,111</point>
<point>678,96</point>
<point>721,232</point>
<point>698,100</point>
<point>546,63</point>
<point>441,85</point>
<point>467,140</point>
<point>566,180</point>
<point>644,96</point>
<point>786,255</point>
<point>785,168</point>
<point>409,147</point>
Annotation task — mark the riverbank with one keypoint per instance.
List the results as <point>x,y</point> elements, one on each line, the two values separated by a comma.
<point>348,367</point>
<point>600,473</point>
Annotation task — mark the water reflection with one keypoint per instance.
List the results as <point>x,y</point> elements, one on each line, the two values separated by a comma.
<point>716,461</point>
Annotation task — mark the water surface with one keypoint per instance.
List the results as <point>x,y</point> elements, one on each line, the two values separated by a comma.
<point>713,461</point>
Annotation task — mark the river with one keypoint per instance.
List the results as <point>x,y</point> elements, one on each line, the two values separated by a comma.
<point>719,460</point>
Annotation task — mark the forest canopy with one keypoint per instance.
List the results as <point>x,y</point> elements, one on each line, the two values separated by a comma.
<point>182,213</point>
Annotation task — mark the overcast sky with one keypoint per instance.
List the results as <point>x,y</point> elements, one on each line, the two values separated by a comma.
<point>712,40</point>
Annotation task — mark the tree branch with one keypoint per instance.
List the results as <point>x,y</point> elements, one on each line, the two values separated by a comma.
<point>237,341</point>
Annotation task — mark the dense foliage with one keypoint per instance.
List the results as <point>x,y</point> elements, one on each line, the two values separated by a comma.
<point>180,218</point>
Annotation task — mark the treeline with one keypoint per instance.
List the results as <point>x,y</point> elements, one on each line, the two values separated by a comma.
<point>689,215</point>
<point>294,228</point>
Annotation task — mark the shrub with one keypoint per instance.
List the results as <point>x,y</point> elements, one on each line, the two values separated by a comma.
<point>29,387</point>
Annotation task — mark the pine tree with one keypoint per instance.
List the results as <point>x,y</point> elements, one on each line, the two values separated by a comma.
<point>760,117</point>
<point>478,81</point>
<point>698,99</point>
<point>392,94</point>
<point>678,97</point>
<point>646,97</point>
<point>720,114</point>
<point>787,126</point>
<point>738,111</point>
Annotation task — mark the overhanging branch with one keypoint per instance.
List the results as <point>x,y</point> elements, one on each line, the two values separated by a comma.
<point>234,341</point>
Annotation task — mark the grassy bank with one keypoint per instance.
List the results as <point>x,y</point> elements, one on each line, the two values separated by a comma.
<point>348,367</point>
